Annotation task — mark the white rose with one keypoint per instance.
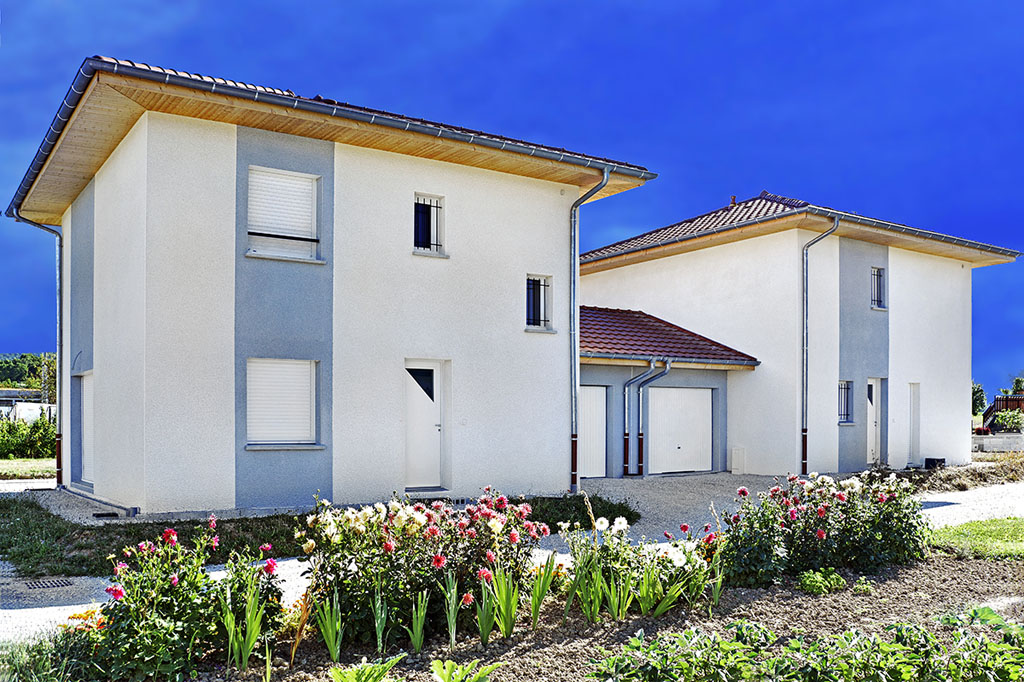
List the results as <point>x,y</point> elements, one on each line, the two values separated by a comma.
<point>621,525</point>
<point>602,524</point>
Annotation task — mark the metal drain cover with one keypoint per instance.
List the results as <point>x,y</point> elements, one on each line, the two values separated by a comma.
<point>48,584</point>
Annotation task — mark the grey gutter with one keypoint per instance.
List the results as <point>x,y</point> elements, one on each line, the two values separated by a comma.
<point>828,213</point>
<point>625,412</point>
<point>93,65</point>
<point>640,414</point>
<point>651,358</point>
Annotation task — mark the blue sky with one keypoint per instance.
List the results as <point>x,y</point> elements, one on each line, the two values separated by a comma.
<point>905,111</point>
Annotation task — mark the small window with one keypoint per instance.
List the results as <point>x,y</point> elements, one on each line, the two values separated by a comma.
<point>427,224</point>
<point>877,287</point>
<point>282,213</point>
<point>538,302</point>
<point>280,401</point>
<point>845,413</point>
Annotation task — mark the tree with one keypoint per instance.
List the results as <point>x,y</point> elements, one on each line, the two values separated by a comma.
<point>1018,385</point>
<point>978,400</point>
<point>48,377</point>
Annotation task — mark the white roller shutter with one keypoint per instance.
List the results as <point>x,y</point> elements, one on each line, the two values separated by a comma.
<point>284,203</point>
<point>280,400</point>
<point>87,428</point>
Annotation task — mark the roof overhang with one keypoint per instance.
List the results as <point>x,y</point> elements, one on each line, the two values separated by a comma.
<point>818,219</point>
<point>108,97</point>
<point>677,363</point>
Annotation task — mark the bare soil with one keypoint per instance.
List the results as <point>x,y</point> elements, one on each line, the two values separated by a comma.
<point>919,593</point>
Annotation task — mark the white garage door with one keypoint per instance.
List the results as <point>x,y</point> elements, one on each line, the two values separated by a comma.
<point>590,446</point>
<point>87,428</point>
<point>679,425</point>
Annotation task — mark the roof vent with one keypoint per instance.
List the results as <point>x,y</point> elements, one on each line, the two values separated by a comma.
<point>732,201</point>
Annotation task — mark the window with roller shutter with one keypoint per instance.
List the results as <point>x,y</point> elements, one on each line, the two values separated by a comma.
<point>282,213</point>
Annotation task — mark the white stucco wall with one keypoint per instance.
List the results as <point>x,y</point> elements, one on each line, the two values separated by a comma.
<point>823,353</point>
<point>508,422</point>
<point>930,344</point>
<point>190,305</point>
<point>119,322</point>
<point>746,295</point>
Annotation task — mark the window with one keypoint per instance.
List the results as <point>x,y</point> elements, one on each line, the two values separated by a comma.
<point>845,390</point>
<point>280,401</point>
<point>538,302</point>
<point>282,213</point>
<point>877,287</point>
<point>427,224</point>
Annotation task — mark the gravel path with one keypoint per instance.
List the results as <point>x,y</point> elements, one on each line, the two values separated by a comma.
<point>989,502</point>
<point>22,484</point>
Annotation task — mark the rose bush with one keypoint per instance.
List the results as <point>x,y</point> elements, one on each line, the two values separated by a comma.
<point>862,523</point>
<point>400,549</point>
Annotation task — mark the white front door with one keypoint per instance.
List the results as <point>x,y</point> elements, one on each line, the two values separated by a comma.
<point>590,447</point>
<point>87,428</point>
<point>873,412</point>
<point>679,426</point>
<point>423,424</point>
<point>915,424</point>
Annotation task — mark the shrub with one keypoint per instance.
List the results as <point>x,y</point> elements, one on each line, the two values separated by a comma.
<point>36,439</point>
<point>1009,420</point>
<point>574,509</point>
<point>909,652</point>
<point>820,582</point>
<point>404,549</point>
<point>862,523</point>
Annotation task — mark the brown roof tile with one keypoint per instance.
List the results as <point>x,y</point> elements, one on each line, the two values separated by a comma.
<point>612,331</point>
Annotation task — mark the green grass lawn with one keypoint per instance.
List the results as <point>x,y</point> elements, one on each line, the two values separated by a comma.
<point>27,468</point>
<point>995,539</point>
<point>40,543</point>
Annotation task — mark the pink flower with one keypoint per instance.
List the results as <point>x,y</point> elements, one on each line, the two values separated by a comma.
<point>115,591</point>
<point>389,547</point>
<point>432,532</point>
<point>170,536</point>
<point>821,512</point>
<point>484,575</point>
<point>707,527</point>
<point>525,510</point>
<point>127,552</point>
<point>471,533</point>
<point>841,496</point>
<point>266,547</point>
<point>213,521</point>
<point>684,527</point>
<point>742,492</point>
<point>544,530</point>
<point>513,537</point>
<point>775,490</point>
<point>439,561</point>
<point>174,579</point>
<point>270,567</point>
<point>437,505</point>
<point>419,506</point>
<point>214,541</point>
<point>782,524</point>
<point>490,557</point>
<point>882,497</point>
<point>501,502</point>
<point>120,567</point>
<point>793,514</point>
<point>669,536</point>
<point>463,524</point>
<point>791,478</point>
<point>467,599</point>
<point>820,534</point>
<point>711,537</point>
<point>735,519</point>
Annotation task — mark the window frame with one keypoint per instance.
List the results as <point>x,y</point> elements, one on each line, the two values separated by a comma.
<point>878,289</point>
<point>435,245</point>
<point>313,405</point>
<point>845,407</point>
<point>542,320</point>
<point>268,233</point>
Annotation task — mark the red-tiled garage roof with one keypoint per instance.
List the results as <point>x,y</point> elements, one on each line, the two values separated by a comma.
<point>611,332</point>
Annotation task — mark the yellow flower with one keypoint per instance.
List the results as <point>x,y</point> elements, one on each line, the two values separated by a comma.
<point>308,546</point>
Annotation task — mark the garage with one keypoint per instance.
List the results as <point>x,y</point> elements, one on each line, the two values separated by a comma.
<point>652,398</point>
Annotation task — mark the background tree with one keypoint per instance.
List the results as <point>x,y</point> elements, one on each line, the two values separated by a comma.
<point>1017,387</point>
<point>978,399</point>
<point>48,377</point>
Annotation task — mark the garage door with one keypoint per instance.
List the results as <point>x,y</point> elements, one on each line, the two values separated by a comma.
<point>679,429</point>
<point>87,428</point>
<point>590,447</point>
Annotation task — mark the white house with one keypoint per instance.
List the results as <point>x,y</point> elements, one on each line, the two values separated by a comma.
<point>887,323</point>
<point>266,295</point>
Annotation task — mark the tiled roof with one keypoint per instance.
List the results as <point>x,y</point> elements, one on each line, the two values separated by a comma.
<point>615,332</point>
<point>765,207</point>
<point>366,110</point>
<point>761,206</point>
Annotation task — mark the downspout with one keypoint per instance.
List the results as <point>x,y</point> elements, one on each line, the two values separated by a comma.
<point>640,415</point>
<point>625,414</point>
<point>574,321</point>
<point>803,369</point>
<point>59,388</point>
